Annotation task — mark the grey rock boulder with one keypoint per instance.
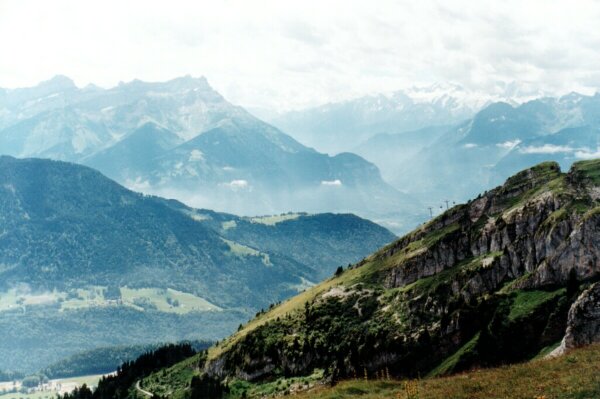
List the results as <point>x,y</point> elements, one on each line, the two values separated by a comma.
<point>583,325</point>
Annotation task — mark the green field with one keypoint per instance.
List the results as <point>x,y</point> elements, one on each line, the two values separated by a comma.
<point>166,300</point>
<point>20,297</point>
<point>67,383</point>
<point>243,250</point>
<point>272,220</point>
<point>161,299</point>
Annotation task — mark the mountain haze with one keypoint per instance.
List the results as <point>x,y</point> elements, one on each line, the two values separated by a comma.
<point>451,159</point>
<point>338,127</point>
<point>500,140</point>
<point>182,139</point>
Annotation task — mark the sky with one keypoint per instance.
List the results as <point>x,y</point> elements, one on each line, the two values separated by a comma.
<point>283,55</point>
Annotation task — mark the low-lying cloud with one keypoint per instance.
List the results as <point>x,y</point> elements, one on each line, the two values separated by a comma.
<point>509,145</point>
<point>335,183</point>
<point>546,149</point>
<point>235,185</point>
<point>587,153</point>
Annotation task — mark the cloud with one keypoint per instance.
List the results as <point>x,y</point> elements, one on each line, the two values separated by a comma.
<point>509,144</point>
<point>546,149</point>
<point>236,185</point>
<point>336,182</point>
<point>281,55</point>
<point>587,153</point>
<point>138,184</point>
<point>470,145</point>
<point>196,155</point>
<point>303,32</point>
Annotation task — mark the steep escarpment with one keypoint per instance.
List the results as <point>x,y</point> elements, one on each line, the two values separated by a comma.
<point>523,223</point>
<point>486,283</point>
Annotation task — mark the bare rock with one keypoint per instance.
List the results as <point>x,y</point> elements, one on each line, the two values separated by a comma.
<point>583,325</point>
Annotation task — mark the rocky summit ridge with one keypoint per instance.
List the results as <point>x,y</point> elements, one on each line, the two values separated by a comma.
<point>486,283</point>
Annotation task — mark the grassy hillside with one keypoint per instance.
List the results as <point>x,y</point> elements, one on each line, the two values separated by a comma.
<point>81,256</point>
<point>487,283</point>
<point>573,376</point>
<point>366,280</point>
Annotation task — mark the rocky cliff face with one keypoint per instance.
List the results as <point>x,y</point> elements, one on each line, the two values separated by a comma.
<point>532,220</point>
<point>583,325</point>
<point>487,282</point>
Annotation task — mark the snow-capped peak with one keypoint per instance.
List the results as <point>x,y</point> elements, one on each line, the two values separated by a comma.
<point>446,95</point>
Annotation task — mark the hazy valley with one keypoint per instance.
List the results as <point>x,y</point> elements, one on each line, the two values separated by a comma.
<point>77,246</point>
<point>446,143</point>
<point>181,139</point>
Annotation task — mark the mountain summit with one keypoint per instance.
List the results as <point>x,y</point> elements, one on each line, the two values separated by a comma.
<point>341,126</point>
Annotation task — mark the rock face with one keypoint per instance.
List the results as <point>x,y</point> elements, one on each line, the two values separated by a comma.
<point>540,237</point>
<point>583,326</point>
<point>488,282</point>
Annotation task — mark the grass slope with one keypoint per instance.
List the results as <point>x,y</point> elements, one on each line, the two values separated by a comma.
<point>74,245</point>
<point>573,376</point>
<point>542,178</point>
<point>348,318</point>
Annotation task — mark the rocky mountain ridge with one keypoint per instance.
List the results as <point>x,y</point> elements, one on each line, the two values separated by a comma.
<point>486,283</point>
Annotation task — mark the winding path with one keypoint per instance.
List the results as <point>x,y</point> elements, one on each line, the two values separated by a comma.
<point>139,389</point>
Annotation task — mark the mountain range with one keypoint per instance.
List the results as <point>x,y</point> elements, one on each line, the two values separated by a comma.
<point>80,255</point>
<point>85,262</point>
<point>181,139</point>
<point>499,141</point>
<point>445,143</point>
<point>341,126</point>
<point>398,153</point>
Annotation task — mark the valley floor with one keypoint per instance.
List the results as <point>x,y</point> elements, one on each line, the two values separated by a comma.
<point>50,390</point>
<point>573,376</point>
